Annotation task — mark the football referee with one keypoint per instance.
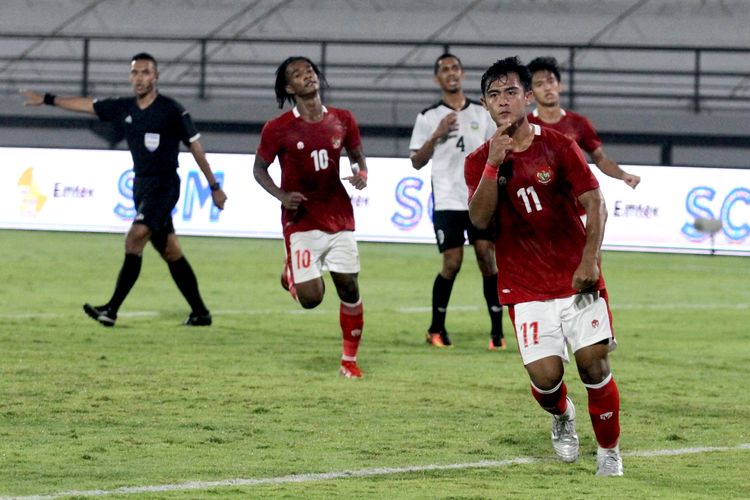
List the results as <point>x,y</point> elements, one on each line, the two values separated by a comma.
<point>154,127</point>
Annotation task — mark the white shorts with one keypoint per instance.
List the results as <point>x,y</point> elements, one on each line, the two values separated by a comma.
<point>547,328</point>
<point>312,252</point>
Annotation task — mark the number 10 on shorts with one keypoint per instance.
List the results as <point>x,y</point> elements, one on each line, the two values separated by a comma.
<point>302,259</point>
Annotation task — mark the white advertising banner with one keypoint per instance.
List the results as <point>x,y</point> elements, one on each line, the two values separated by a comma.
<point>90,190</point>
<point>660,214</point>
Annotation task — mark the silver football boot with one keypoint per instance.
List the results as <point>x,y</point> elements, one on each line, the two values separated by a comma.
<point>564,437</point>
<point>608,461</point>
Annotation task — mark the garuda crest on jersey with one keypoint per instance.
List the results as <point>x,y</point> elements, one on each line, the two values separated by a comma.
<point>544,175</point>
<point>336,141</point>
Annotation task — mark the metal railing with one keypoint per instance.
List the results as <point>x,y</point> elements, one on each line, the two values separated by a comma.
<point>672,77</point>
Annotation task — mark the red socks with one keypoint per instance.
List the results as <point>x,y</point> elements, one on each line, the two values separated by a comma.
<point>604,409</point>
<point>351,320</point>
<point>554,401</point>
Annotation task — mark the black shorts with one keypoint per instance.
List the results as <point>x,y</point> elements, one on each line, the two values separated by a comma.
<point>155,198</point>
<point>452,227</point>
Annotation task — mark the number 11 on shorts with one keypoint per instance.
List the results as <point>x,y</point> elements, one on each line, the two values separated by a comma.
<point>533,329</point>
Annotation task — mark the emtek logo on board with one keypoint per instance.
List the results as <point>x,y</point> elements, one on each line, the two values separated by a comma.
<point>32,199</point>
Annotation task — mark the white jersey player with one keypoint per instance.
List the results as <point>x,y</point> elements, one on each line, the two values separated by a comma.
<point>445,133</point>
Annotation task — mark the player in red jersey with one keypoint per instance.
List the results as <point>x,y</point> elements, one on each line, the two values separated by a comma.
<point>546,86</point>
<point>316,211</point>
<point>527,179</point>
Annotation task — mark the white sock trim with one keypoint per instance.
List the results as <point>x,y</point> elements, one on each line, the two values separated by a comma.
<point>347,304</point>
<point>348,358</point>
<point>603,450</point>
<point>600,384</point>
<point>540,391</point>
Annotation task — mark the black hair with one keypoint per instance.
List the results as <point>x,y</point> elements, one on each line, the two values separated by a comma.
<point>446,55</point>
<point>144,56</point>
<point>504,67</point>
<point>548,63</point>
<point>281,82</point>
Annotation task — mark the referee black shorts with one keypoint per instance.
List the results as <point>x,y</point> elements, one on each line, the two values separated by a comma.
<point>155,198</point>
<point>453,226</point>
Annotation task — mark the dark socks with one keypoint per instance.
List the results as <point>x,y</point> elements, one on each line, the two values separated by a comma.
<point>129,272</point>
<point>186,281</point>
<point>441,294</point>
<point>493,305</point>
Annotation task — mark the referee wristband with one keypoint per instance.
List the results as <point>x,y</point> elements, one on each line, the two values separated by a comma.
<point>490,172</point>
<point>215,186</point>
<point>49,99</point>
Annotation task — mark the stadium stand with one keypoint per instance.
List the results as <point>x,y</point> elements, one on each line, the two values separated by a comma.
<point>665,81</point>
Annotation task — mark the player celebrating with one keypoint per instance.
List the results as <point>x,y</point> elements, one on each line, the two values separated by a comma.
<point>446,132</point>
<point>316,211</point>
<point>154,127</point>
<point>546,86</point>
<point>528,179</point>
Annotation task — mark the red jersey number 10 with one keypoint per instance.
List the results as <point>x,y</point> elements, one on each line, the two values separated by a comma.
<point>320,159</point>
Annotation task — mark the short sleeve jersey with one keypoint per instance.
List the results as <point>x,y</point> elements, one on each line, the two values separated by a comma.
<point>309,155</point>
<point>474,127</point>
<point>573,125</point>
<point>153,134</point>
<point>540,236</point>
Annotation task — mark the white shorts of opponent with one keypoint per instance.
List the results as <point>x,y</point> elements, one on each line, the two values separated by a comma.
<point>312,252</point>
<point>546,328</point>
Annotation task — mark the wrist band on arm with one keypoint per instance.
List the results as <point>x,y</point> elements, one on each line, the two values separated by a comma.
<point>490,172</point>
<point>49,99</point>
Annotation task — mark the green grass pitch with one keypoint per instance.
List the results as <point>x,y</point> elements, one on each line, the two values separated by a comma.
<point>257,395</point>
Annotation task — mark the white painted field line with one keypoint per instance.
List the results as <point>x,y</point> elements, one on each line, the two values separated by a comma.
<point>153,314</point>
<point>327,476</point>
<point>401,310</point>
<point>660,307</point>
<point>615,307</point>
<point>426,309</point>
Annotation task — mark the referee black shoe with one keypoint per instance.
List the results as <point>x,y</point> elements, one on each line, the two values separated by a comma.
<point>444,337</point>
<point>102,314</point>
<point>198,319</point>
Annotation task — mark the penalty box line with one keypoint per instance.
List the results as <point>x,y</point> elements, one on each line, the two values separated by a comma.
<point>326,476</point>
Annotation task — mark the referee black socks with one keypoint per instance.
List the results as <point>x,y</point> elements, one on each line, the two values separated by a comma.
<point>129,272</point>
<point>186,281</point>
